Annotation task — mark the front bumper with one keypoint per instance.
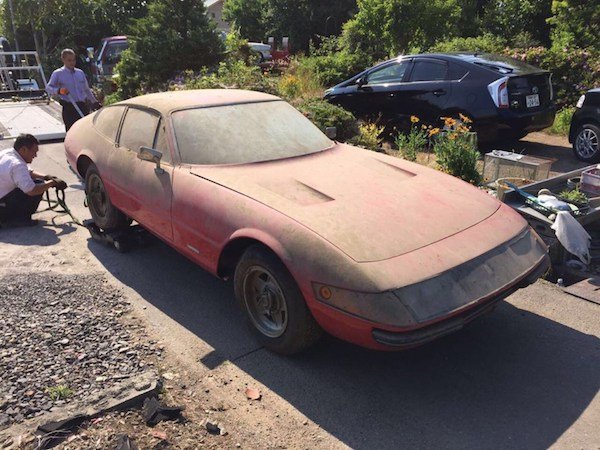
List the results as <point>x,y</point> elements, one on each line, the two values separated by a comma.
<point>429,333</point>
<point>425,310</point>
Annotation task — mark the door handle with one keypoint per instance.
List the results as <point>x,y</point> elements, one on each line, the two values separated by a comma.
<point>439,92</point>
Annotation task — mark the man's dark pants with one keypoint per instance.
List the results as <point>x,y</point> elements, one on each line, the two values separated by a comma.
<point>70,114</point>
<point>17,206</point>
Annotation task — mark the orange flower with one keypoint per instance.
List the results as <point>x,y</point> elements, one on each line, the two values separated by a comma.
<point>464,118</point>
<point>414,119</point>
<point>463,129</point>
<point>433,131</point>
<point>449,121</point>
<point>452,136</point>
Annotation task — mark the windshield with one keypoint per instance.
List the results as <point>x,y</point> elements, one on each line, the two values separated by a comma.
<point>245,133</point>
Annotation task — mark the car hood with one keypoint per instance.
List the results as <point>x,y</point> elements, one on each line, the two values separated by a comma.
<point>370,206</point>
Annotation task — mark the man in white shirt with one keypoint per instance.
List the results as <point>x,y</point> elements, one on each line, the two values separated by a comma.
<point>21,189</point>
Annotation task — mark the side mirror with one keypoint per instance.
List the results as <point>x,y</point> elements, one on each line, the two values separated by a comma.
<point>149,154</point>
<point>361,81</point>
<point>331,132</point>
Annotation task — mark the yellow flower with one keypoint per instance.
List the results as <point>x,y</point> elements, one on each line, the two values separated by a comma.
<point>449,121</point>
<point>452,136</point>
<point>433,131</point>
<point>414,119</point>
<point>464,118</point>
<point>463,129</point>
<point>423,127</point>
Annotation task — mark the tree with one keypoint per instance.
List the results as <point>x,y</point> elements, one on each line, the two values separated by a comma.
<point>176,35</point>
<point>249,16</point>
<point>514,19</point>
<point>389,27</point>
<point>50,25</point>
<point>575,23</point>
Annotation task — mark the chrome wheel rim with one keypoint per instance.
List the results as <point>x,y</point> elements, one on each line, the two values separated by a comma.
<point>265,302</point>
<point>97,198</point>
<point>587,143</point>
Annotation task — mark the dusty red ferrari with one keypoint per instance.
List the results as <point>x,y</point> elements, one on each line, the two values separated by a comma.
<point>317,235</point>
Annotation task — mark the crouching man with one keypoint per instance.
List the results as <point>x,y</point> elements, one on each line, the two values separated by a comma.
<point>21,189</point>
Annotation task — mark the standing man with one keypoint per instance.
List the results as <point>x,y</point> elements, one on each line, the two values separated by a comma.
<point>71,84</point>
<point>21,189</point>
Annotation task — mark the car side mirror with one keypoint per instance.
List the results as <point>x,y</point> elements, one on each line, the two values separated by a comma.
<point>331,132</point>
<point>149,154</point>
<point>361,81</point>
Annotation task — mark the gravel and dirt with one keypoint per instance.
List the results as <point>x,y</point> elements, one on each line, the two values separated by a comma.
<point>76,317</point>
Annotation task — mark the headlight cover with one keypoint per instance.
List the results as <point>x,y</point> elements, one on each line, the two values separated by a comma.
<point>382,307</point>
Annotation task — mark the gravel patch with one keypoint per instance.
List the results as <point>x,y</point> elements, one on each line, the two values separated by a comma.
<point>61,339</point>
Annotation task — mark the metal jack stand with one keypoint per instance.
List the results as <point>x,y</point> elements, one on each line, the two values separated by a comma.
<point>123,240</point>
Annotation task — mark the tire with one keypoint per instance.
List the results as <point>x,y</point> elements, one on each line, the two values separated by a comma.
<point>103,212</point>
<point>262,283</point>
<point>586,144</point>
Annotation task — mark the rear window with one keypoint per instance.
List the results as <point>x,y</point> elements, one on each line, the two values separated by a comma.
<point>245,133</point>
<point>107,121</point>
<point>504,64</point>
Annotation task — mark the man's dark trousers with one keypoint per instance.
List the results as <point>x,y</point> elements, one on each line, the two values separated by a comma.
<point>70,114</point>
<point>18,206</point>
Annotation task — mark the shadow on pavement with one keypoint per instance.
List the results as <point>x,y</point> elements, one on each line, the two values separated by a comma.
<point>512,379</point>
<point>44,234</point>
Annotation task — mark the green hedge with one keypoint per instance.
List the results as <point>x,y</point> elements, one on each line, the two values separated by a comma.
<point>324,114</point>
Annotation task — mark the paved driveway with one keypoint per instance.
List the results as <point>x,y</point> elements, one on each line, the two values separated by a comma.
<point>525,376</point>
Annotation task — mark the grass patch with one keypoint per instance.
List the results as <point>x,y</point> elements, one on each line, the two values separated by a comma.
<point>562,122</point>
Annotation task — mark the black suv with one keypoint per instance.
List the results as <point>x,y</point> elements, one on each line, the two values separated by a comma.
<point>585,127</point>
<point>504,97</point>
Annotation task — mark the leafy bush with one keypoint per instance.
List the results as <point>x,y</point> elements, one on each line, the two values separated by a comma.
<point>368,136</point>
<point>289,86</point>
<point>176,35</point>
<point>324,114</point>
<point>336,67</point>
<point>562,121</point>
<point>228,75</point>
<point>574,71</point>
<point>409,145</point>
<point>298,82</point>
<point>486,43</point>
<point>456,152</point>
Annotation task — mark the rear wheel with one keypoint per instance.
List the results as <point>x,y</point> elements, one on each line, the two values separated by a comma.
<point>273,303</point>
<point>103,212</point>
<point>586,145</point>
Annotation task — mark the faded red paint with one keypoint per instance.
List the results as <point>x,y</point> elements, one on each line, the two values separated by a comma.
<point>344,217</point>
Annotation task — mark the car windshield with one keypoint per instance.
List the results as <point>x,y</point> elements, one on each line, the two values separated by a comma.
<point>245,133</point>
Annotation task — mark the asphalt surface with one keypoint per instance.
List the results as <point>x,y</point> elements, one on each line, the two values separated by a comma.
<point>525,376</point>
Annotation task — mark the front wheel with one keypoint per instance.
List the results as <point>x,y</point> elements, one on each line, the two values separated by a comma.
<point>273,303</point>
<point>586,145</point>
<point>103,212</point>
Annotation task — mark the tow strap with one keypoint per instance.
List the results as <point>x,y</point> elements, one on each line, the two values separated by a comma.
<point>59,206</point>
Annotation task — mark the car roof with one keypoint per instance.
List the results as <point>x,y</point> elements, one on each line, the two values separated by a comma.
<point>166,102</point>
<point>115,38</point>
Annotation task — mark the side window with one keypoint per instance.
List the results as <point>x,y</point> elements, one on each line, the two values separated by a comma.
<point>160,143</point>
<point>139,129</point>
<point>107,121</point>
<point>429,70</point>
<point>394,73</point>
<point>456,72</point>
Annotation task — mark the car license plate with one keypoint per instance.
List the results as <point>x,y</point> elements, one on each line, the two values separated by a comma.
<point>533,100</point>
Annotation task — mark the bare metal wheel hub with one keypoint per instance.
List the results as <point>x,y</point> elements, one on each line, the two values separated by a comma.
<point>265,301</point>
<point>97,195</point>
<point>587,143</point>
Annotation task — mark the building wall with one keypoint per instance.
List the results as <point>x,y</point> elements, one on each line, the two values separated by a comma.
<point>215,11</point>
